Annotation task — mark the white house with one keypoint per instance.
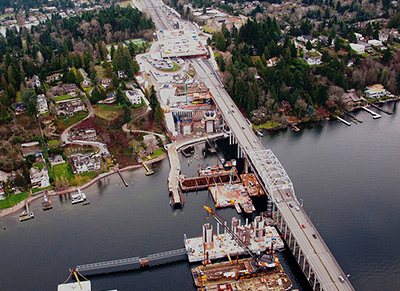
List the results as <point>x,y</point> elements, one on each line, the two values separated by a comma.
<point>39,177</point>
<point>358,48</point>
<point>376,91</point>
<point>134,96</point>
<point>42,106</point>
<point>313,58</point>
<point>375,42</point>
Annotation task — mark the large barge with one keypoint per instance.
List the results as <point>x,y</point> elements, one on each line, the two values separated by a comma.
<point>241,275</point>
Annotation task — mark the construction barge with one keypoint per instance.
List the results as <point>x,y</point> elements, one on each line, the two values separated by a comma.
<point>205,181</point>
<point>240,275</point>
<point>232,195</point>
<point>253,188</point>
<point>258,237</point>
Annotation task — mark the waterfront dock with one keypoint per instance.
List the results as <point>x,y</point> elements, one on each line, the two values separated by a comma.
<point>122,177</point>
<point>148,171</point>
<point>374,114</point>
<point>342,120</point>
<point>381,109</point>
<point>352,116</point>
<point>26,214</point>
<point>46,204</point>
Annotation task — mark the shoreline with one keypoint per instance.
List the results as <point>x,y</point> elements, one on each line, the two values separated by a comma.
<point>17,207</point>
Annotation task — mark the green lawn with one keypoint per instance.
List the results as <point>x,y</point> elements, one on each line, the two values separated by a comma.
<point>62,97</point>
<point>64,122</point>
<point>53,142</point>
<point>107,112</point>
<point>267,125</point>
<point>157,153</point>
<point>35,190</point>
<point>39,165</point>
<point>13,199</point>
<point>62,171</point>
<point>82,178</point>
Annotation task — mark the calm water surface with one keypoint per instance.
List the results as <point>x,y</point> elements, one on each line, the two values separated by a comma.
<point>348,178</point>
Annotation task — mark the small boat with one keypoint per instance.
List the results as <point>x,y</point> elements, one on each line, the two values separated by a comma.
<point>26,216</point>
<point>78,197</point>
<point>23,213</point>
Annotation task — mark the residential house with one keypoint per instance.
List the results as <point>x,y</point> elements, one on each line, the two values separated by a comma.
<point>105,82</point>
<point>358,48</point>
<point>69,107</point>
<point>31,148</point>
<point>57,159</point>
<point>272,62</point>
<point>19,107</point>
<point>376,91</point>
<point>376,43</point>
<point>122,75</point>
<point>84,163</point>
<point>134,96</point>
<point>313,57</point>
<point>42,106</point>
<point>53,77</point>
<point>352,100</point>
<point>383,37</point>
<point>39,177</point>
<point>35,82</point>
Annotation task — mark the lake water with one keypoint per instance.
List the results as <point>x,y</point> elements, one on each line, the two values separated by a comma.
<point>348,178</point>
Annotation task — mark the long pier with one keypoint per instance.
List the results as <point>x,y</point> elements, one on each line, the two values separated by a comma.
<point>374,114</point>
<point>131,263</point>
<point>122,178</point>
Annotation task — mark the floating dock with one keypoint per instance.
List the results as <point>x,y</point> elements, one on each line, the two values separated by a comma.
<point>26,214</point>
<point>240,275</point>
<point>258,236</point>
<point>173,184</point>
<point>229,195</point>
<point>295,128</point>
<point>374,114</point>
<point>47,205</point>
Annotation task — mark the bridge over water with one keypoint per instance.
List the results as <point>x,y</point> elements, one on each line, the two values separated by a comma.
<point>310,251</point>
<point>130,263</point>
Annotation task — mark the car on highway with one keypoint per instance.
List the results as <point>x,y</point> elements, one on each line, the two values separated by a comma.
<point>297,208</point>
<point>233,106</point>
<point>303,226</point>
<point>255,141</point>
<point>228,112</point>
<point>233,111</point>
<point>291,205</point>
<point>314,235</point>
<point>243,127</point>
<point>287,193</point>
<point>341,279</point>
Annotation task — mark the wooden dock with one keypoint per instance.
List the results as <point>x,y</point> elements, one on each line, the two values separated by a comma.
<point>352,116</point>
<point>342,120</point>
<point>381,109</point>
<point>26,215</point>
<point>149,171</point>
<point>122,178</point>
<point>374,114</point>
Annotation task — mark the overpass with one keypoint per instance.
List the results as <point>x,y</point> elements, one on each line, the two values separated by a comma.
<point>311,253</point>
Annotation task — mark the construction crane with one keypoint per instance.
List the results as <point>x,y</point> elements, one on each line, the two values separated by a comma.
<point>263,261</point>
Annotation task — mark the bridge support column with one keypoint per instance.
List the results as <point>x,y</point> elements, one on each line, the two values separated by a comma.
<point>290,240</point>
<point>246,167</point>
<point>285,231</point>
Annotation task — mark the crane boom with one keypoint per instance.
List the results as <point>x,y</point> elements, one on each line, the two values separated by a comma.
<point>263,261</point>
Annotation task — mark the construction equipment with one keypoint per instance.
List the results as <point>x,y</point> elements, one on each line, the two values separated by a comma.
<point>262,261</point>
